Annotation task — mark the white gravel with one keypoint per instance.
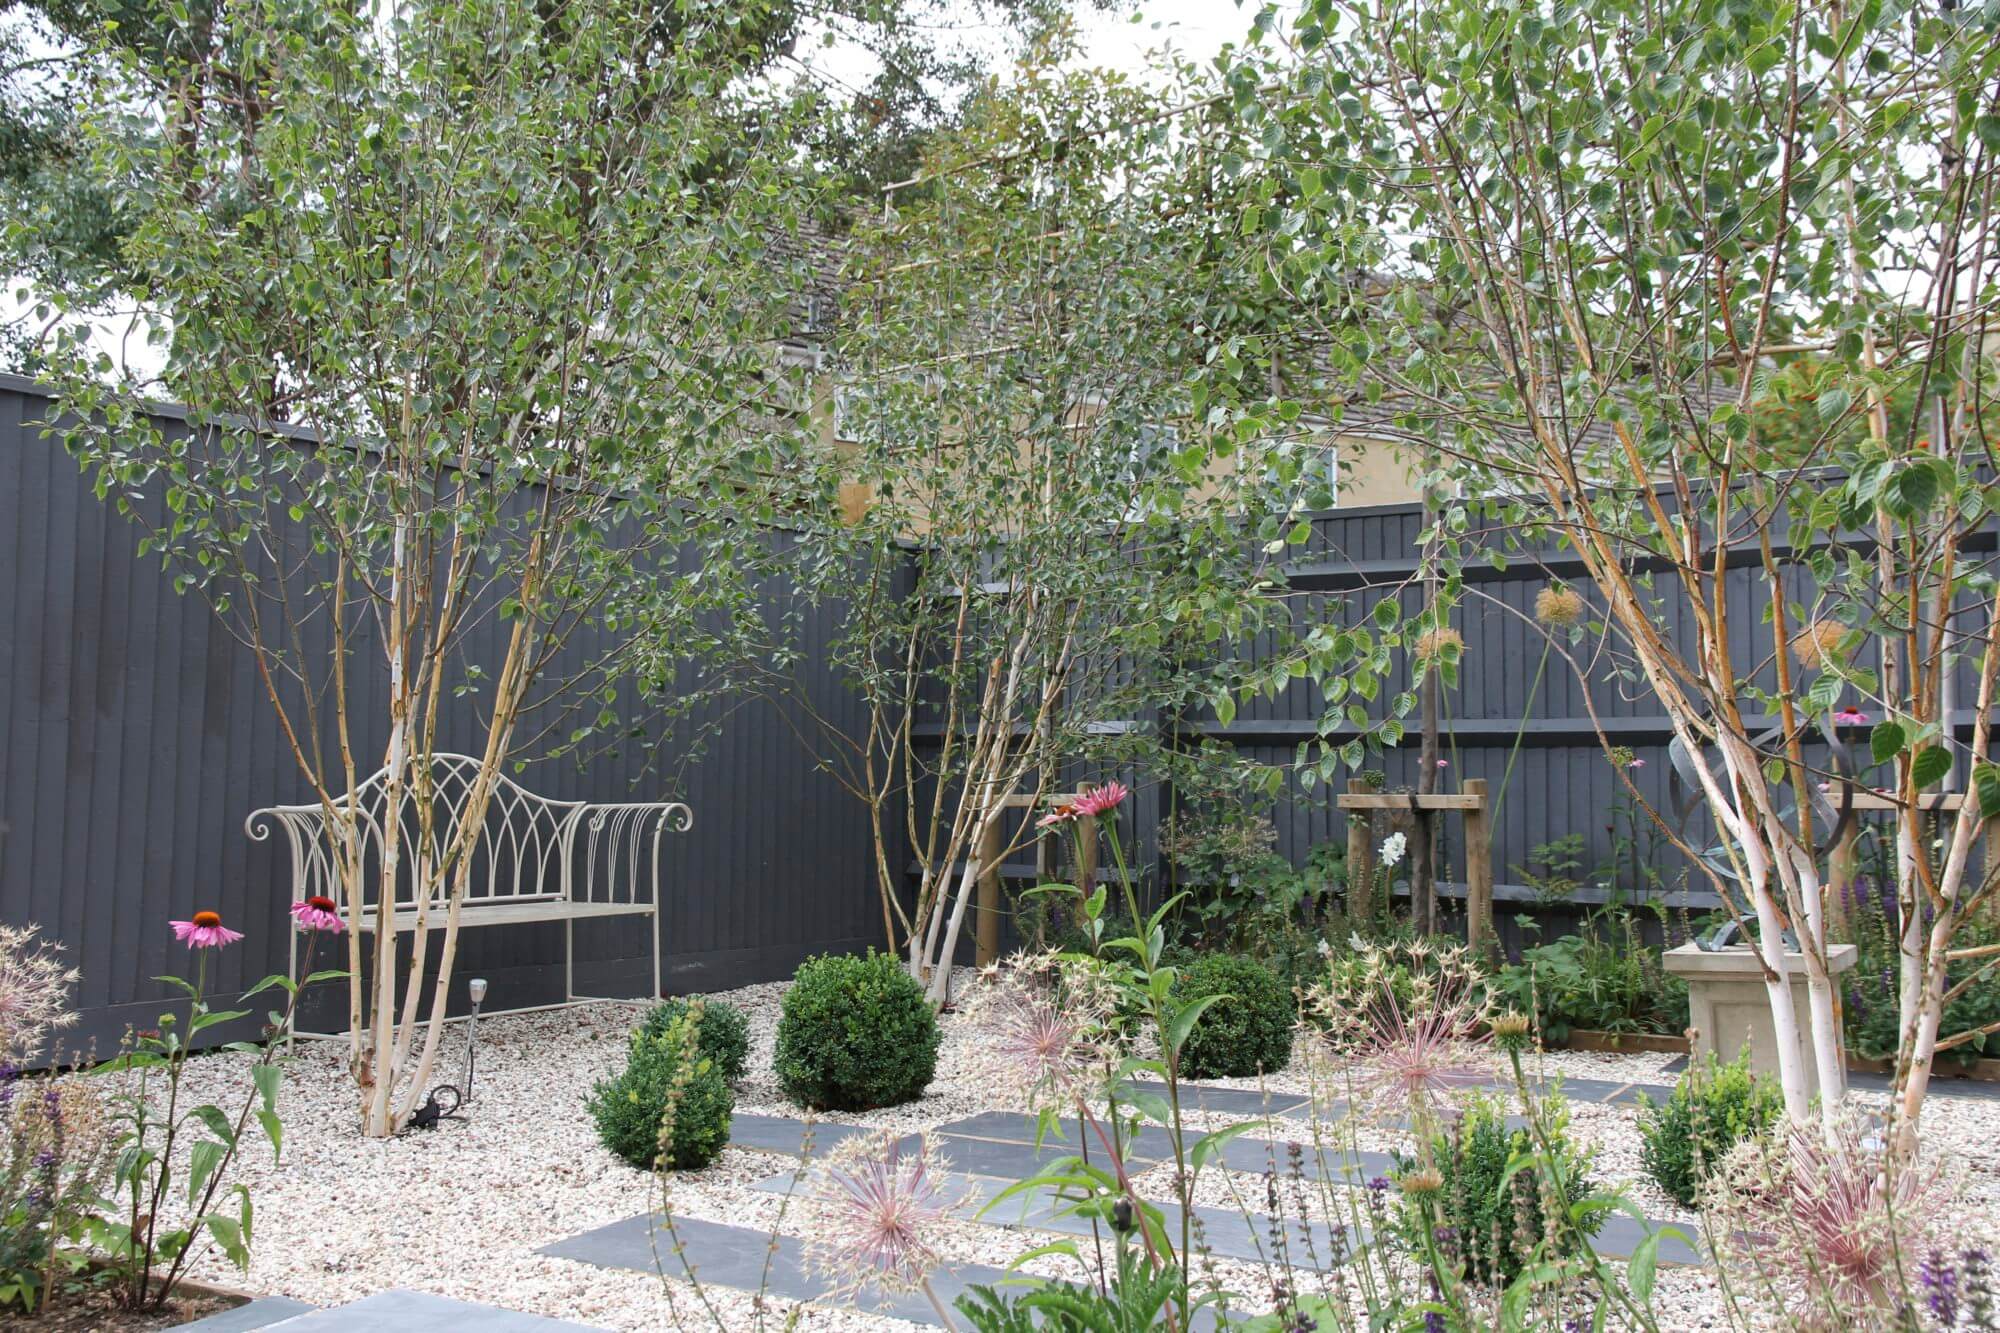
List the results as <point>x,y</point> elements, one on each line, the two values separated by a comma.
<point>460,1211</point>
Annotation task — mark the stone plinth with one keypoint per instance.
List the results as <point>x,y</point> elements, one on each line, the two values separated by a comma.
<point>1729,1008</point>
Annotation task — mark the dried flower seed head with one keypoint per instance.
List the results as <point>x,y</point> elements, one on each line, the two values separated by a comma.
<point>877,1208</point>
<point>1047,1029</point>
<point>34,991</point>
<point>1404,1025</point>
<point>1558,606</point>
<point>1440,642</point>
<point>1423,1181</point>
<point>1510,1030</point>
<point>1823,1220</point>
<point>1818,643</point>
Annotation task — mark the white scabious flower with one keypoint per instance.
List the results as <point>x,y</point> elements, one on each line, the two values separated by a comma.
<point>1391,850</point>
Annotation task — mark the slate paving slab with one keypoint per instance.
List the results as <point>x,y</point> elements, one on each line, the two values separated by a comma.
<point>782,1133</point>
<point>1620,1237</point>
<point>736,1257</point>
<point>260,1313</point>
<point>401,1311</point>
<point>1068,1138</point>
<point>1228,1233</point>
<point>1229,1101</point>
<point>1607,1093</point>
<point>1151,1145</point>
<point>1014,1161</point>
<point>1245,1153</point>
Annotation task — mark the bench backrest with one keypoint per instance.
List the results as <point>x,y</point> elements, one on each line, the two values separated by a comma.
<point>527,847</point>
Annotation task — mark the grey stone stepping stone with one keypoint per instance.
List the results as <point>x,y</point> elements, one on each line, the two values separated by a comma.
<point>1013,1161</point>
<point>260,1313</point>
<point>1017,1127</point>
<point>1620,1237</point>
<point>779,1133</point>
<point>401,1311</point>
<point>736,1257</point>
<point>1228,1101</point>
<point>1228,1233</point>
<point>1153,1145</point>
<point>1254,1155</point>
<point>1013,1126</point>
<point>1151,1142</point>
<point>1605,1092</point>
<point>1225,1232</point>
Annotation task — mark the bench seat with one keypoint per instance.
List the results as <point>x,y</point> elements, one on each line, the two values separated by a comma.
<point>477,913</point>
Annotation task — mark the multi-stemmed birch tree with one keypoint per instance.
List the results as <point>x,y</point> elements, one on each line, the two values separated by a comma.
<point>1693,288</point>
<point>1047,549</point>
<point>470,308</point>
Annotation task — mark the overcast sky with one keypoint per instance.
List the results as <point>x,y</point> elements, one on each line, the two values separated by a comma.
<point>1122,40</point>
<point>1195,29</point>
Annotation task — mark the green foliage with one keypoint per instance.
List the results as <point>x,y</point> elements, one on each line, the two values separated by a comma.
<point>165,1146</point>
<point>1869,1012</point>
<point>1493,1199</point>
<point>723,1035</point>
<point>660,1076</point>
<point>854,1034</point>
<point>1247,1032</point>
<point>1604,978</point>
<point>1553,869</point>
<point>1138,1302</point>
<point>55,1160</point>
<point>1710,1110</point>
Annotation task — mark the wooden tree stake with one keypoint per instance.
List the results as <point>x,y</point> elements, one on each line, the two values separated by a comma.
<point>1478,870</point>
<point>1360,856</point>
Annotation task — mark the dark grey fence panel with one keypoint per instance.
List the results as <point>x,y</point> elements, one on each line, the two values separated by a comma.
<point>135,736</point>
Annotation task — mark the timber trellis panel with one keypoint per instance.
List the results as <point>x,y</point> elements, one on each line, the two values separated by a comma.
<point>1562,782</point>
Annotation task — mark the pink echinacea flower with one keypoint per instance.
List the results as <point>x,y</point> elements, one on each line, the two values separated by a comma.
<point>206,931</point>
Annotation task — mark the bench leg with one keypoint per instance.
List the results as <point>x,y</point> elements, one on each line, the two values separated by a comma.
<point>569,961</point>
<point>292,973</point>
<point>655,996</point>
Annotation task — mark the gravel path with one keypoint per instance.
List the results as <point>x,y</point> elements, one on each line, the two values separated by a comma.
<point>460,1211</point>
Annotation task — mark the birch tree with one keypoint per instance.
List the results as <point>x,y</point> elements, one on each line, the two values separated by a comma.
<point>469,309</point>
<point>1049,552</point>
<point>1656,278</point>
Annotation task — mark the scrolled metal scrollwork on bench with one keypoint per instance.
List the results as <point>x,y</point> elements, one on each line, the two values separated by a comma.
<point>534,859</point>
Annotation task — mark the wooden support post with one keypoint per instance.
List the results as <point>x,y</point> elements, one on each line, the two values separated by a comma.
<point>1478,870</point>
<point>1086,862</point>
<point>986,906</point>
<point>1360,857</point>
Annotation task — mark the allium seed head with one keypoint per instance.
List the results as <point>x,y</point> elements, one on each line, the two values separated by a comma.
<point>877,1207</point>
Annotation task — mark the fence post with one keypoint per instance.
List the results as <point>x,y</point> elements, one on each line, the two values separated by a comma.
<point>1360,858</point>
<point>1478,870</point>
<point>986,930</point>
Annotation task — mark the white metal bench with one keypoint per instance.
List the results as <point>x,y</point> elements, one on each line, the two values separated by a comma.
<point>534,859</point>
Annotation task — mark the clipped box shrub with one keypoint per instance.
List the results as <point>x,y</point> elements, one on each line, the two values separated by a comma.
<point>1246,1032</point>
<point>724,1035</point>
<point>1712,1109</point>
<point>855,1034</point>
<point>631,1108</point>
